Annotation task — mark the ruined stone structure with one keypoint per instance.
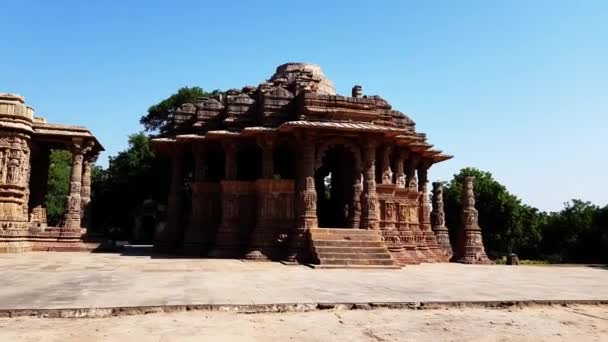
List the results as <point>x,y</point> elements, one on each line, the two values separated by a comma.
<point>288,170</point>
<point>25,145</point>
<point>469,249</point>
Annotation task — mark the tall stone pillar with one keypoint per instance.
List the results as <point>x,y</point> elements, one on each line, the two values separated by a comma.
<point>369,199</point>
<point>194,237</point>
<point>85,194</point>
<point>421,251</point>
<point>438,222</point>
<point>72,216</point>
<point>267,157</point>
<point>306,198</point>
<point>354,218</point>
<point>230,149</point>
<point>168,238</point>
<point>38,184</point>
<point>425,214</point>
<point>470,249</point>
<point>262,230</point>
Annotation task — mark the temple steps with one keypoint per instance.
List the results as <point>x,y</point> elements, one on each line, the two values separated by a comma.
<point>350,248</point>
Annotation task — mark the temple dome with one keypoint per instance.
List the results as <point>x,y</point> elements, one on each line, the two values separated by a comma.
<point>303,75</point>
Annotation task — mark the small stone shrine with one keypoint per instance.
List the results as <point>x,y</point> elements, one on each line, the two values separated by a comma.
<point>25,145</point>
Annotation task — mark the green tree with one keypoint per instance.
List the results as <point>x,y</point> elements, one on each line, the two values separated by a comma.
<point>160,115</point>
<point>573,234</point>
<point>508,225</point>
<point>132,176</point>
<point>60,167</point>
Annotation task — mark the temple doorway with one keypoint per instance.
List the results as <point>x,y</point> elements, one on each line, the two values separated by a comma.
<point>334,181</point>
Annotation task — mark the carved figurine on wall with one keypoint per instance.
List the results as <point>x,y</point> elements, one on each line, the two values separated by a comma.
<point>12,174</point>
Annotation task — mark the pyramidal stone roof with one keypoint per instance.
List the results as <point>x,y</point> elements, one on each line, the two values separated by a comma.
<point>295,92</point>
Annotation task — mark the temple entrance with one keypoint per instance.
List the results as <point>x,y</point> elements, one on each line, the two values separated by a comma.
<point>334,181</point>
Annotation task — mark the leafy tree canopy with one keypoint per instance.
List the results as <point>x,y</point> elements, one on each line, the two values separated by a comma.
<point>60,167</point>
<point>160,115</point>
<point>133,175</point>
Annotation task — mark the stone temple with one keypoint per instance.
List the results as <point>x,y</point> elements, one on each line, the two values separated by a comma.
<point>25,145</point>
<point>289,170</point>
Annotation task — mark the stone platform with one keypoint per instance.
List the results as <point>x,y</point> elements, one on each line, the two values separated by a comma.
<point>45,280</point>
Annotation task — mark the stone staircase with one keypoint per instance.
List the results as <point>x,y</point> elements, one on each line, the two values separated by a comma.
<point>356,248</point>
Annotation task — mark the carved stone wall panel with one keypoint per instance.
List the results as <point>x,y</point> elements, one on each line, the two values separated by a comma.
<point>14,180</point>
<point>275,218</point>
<point>205,217</point>
<point>387,206</point>
<point>238,200</point>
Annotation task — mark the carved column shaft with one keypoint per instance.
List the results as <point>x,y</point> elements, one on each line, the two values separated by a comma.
<point>369,212</point>
<point>230,150</point>
<point>170,236</point>
<point>267,158</point>
<point>438,221</point>
<point>194,236</point>
<point>85,193</point>
<point>306,197</point>
<point>74,203</point>
<point>355,207</point>
<point>425,213</point>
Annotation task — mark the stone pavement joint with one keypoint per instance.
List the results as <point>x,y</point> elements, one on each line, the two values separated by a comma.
<point>278,308</point>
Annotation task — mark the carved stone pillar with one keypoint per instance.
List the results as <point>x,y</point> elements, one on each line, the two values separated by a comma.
<point>38,184</point>
<point>194,238</point>
<point>72,216</point>
<point>387,173</point>
<point>354,218</point>
<point>230,149</point>
<point>399,171</point>
<point>438,222</point>
<point>85,193</point>
<point>470,249</point>
<point>425,213</point>
<point>306,198</point>
<point>267,157</point>
<point>369,199</point>
<point>169,237</point>
<point>266,203</point>
<point>421,251</point>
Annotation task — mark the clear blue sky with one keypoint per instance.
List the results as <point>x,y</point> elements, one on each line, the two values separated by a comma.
<point>517,88</point>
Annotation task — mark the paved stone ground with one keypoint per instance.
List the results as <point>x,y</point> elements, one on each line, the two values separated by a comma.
<point>79,280</point>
